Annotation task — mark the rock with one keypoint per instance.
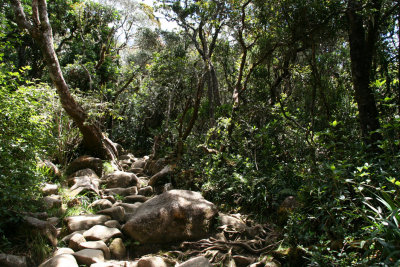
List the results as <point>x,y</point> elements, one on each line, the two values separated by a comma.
<point>53,221</point>
<point>86,162</point>
<point>139,164</point>
<point>265,264</point>
<point>120,179</point>
<point>62,260</point>
<point>167,187</point>
<point>8,260</point>
<point>146,191</point>
<point>84,184</point>
<point>53,201</point>
<point>235,223</point>
<point>128,156</point>
<point>113,263</point>
<point>160,175</point>
<point>172,216</point>
<point>113,224</point>
<point>122,191</point>
<point>116,213</point>
<point>61,251</point>
<point>129,208</point>
<point>37,215</point>
<point>66,238</point>
<point>101,204</point>
<point>117,248</point>
<point>135,198</point>
<point>100,245</point>
<point>109,198</point>
<point>151,262</point>
<point>242,261</point>
<point>43,227</point>
<point>89,256</point>
<point>154,166</point>
<point>75,241</point>
<point>136,170</point>
<point>84,222</point>
<point>50,189</point>
<point>100,232</point>
<point>84,172</point>
<point>196,262</point>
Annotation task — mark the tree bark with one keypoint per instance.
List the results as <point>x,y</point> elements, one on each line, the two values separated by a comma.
<point>40,30</point>
<point>362,47</point>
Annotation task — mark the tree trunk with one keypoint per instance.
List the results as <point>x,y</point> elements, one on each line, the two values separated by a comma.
<point>362,47</point>
<point>40,30</point>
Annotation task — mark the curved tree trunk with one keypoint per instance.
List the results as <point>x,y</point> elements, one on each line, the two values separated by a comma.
<point>40,30</point>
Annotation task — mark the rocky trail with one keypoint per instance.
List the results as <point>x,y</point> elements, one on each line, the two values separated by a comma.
<point>136,218</point>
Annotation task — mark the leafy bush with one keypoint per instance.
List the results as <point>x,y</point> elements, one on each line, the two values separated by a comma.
<point>26,134</point>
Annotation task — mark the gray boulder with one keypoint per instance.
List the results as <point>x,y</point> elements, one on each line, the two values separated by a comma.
<point>172,216</point>
<point>83,222</point>
<point>86,162</point>
<point>62,260</point>
<point>120,179</point>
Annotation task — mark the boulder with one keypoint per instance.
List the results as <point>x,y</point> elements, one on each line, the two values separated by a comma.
<point>151,262</point>
<point>8,260</point>
<point>136,170</point>
<point>84,222</point>
<point>75,241</point>
<point>113,224</point>
<point>86,162</point>
<point>196,262</point>
<point>50,189</point>
<point>129,208</point>
<point>114,263</point>
<point>235,223</point>
<point>100,232</point>
<point>66,238</point>
<point>84,172</point>
<point>120,179</point>
<point>146,191</point>
<point>101,204</point>
<point>53,201</point>
<point>117,248</point>
<point>116,213</point>
<point>53,221</point>
<point>135,198</point>
<point>122,191</point>
<point>84,184</point>
<point>100,245</point>
<point>172,216</point>
<point>61,251</point>
<point>43,227</point>
<point>62,260</point>
<point>242,261</point>
<point>156,178</point>
<point>89,256</point>
<point>139,164</point>
<point>128,156</point>
<point>154,166</point>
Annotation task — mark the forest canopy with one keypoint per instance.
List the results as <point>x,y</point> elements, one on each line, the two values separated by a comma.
<point>251,101</point>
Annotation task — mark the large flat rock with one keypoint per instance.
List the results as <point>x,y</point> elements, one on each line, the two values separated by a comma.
<point>100,232</point>
<point>84,222</point>
<point>172,216</point>
<point>62,260</point>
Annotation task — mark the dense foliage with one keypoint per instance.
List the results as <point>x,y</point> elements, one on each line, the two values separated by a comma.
<point>254,101</point>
